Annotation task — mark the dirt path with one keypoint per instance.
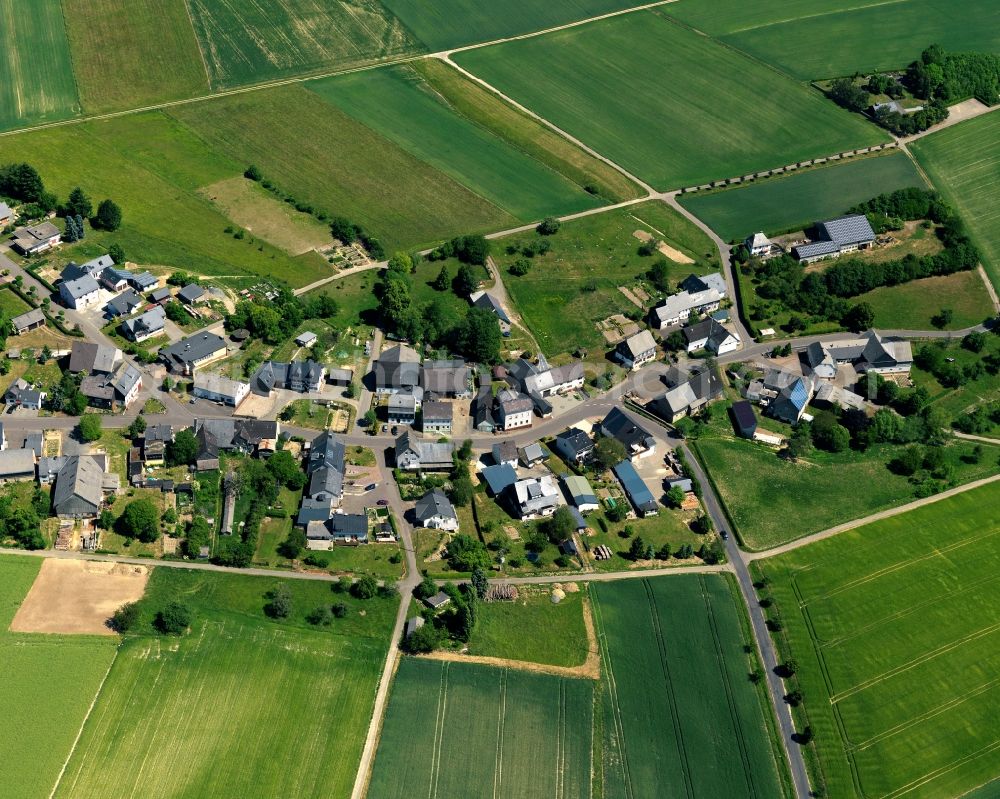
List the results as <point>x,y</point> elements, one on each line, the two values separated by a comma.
<point>885,514</point>
<point>590,669</point>
<point>989,288</point>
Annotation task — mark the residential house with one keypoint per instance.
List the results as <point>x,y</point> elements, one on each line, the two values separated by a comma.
<point>434,510</point>
<point>6,215</point>
<point>820,361</point>
<point>125,304</point>
<point>340,528</point>
<point>22,394</point>
<point>686,393</point>
<point>250,436</point>
<point>80,294</point>
<point>788,395</point>
<point>698,295</point>
<point>513,410</point>
<point>533,498</point>
<point>36,238</point>
<point>543,380</point>
<point>340,377</point>
<point>402,409</point>
<point>145,326</point>
<point>154,443</point>
<point>301,376</point>
<point>831,396</point>
<point>505,452</point>
<point>447,378</point>
<point>31,320</point>
<point>192,294</point>
<point>436,417</point>
<point>638,493</point>
<point>114,278</point>
<point>580,493</point>
<point>835,237</point>
<point>413,453</point>
<point>482,411</point>
<point>160,295</point>
<point>35,441</point>
<point>81,484</point>
<point>112,391</point>
<point>873,353</point>
<point>218,388</point>
<point>744,418</point>
<point>574,446</point>
<point>498,477</point>
<point>190,353</point>
<point>397,369</point>
<point>532,454</point>
<point>94,359</point>
<point>486,301</point>
<point>325,467</point>
<point>638,442</point>
<point>637,350</point>
<point>17,464</point>
<point>143,282</point>
<point>760,246</point>
<point>711,336</point>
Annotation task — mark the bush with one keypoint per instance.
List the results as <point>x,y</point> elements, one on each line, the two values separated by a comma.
<point>90,427</point>
<point>548,226</point>
<point>173,619</point>
<point>365,588</point>
<point>320,616</point>
<point>125,618</point>
<point>339,609</point>
<point>279,602</point>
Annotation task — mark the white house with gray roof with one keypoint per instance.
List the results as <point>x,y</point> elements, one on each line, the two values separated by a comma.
<point>698,295</point>
<point>80,294</point>
<point>433,510</point>
<point>144,326</point>
<point>637,350</point>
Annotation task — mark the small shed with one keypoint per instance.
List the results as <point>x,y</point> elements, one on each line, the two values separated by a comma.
<point>744,418</point>
<point>412,625</point>
<point>306,339</point>
<point>438,601</point>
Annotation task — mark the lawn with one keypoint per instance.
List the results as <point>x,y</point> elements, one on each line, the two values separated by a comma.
<point>962,399</point>
<point>131,53</point>
<point>397,103</point>
<point>483,107</point>
<point>152,166</point>
<point>782,204</point>
<point>38,84</point>
<point>532,629</point>
<point>771,501</point>
<point>910,306</point>
<point>327,159</point>
<point>274,530</point>
<point>252,42</point>
<point>10,304</point>
<point>455,729</point>
<point>824,45</point>
<point>453,23</point>
<point>41,705</point>
<point>575,285</point>
<point>719,114</point>
<point>292,700</point>
<point>680,717</point>
<point>963,163</point>
<point>894,630</point>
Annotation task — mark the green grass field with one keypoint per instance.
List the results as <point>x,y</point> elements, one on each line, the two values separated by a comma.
<point>781,204</point>
<point>910,306</point>
<point>37,83</point>
<point>839,42</point>
<point>12,305</point>
<point>717,115</point>
<point>48,683</point>
<point>592,257</point>
<point>131,53</point>
<point>238,689</point>
<point>771,501</point>
<point>453,23</point>
<point>253,42</point>
<point>327,159</point>
<point>484,108</point>
<point>398,104</point>
<point>532,629</point>
<point>894,627</point>
<point>455,729</point>
<point>718,17</point>
<point>957,401</point>
<point>963,162</point>
<point>680,717</point>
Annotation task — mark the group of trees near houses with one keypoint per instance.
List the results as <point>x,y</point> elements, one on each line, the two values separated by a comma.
<point>21,182</point>
<point>937,77</point>
<point>823,294</point>
<point>456,620</point>
<point>278,320</point>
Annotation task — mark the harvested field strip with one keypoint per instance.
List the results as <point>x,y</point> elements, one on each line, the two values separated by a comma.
<point>521,734</point>
<point>397,103</point>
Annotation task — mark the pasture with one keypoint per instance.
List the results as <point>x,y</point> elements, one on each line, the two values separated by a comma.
<point>680,717</point>
<point>718,115</point>
<point>484,108</point>
<point>399,105</point>
<point>253,42</point>
<point>594,256</point>
<point>894,629</point>
<point>839,42</point>
<point>153,167</point>
<point>771,501</point>
<point>131,53</point>
<point>38,83</point>
<point>781,204</point>
<point>963,163</point>
<point>41,705</point>
<point>911,306</point>
<point>455,729</point>
<point>338,165</point>
<point>238,688</point>
<point>453,23</point>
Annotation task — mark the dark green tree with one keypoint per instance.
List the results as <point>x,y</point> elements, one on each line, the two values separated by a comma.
<point>479,582</point>
<point>183,450</point>
<point>78,203</point>
<point>279,602</point>
<point>108,217</point>
<point>173,619</point>
<point>365,588</point>
<point>140,519</point>
<point>90,426</point>
<point>125,618</point>
<point>443,280</point>
<point>479,336</point>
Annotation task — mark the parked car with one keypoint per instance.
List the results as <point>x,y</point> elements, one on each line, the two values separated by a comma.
<point>371,486</point>
<point>383,502</point>
<point>395,430</point>
<point>385,427</point>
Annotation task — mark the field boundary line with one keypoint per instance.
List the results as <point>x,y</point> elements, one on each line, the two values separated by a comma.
<point>79,732</point>
<point>619,731</point>
<point>438,733</point>
<point>501,713</point>
<point>933,775</point>
<point>654,616</point>
<point>817,14</point>
<point>197,41</point>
